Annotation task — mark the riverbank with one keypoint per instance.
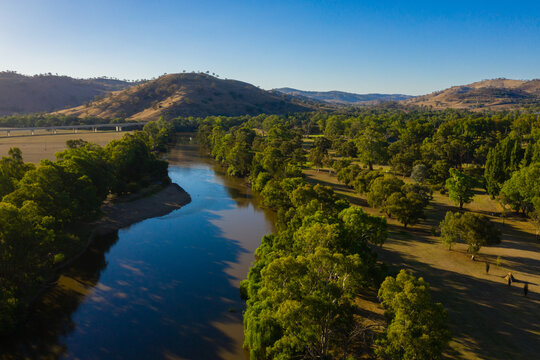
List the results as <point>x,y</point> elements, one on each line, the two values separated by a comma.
<point>117,215</point>
<point>165,280</point>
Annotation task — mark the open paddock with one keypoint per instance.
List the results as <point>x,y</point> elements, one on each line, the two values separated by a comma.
<point>43,145</point>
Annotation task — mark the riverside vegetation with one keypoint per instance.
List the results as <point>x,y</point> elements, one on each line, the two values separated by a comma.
<point>42,207</point>
<point>452,151</point>
<point>302,287</point>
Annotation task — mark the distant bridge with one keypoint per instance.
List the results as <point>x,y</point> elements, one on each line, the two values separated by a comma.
<point>75,128</point>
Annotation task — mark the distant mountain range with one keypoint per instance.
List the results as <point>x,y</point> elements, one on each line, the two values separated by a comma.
<point>188,94</point>
<point>21,94</point>
<point>198,94</point>
<point>495,94</point>
<point>343,98</point>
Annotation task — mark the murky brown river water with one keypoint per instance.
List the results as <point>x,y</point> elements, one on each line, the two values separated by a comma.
<point>164,288</point>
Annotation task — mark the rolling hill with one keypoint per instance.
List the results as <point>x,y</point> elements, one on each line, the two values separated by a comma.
<point>495,94</point>
<point>21,94</point>
<point>198,94</point>
<point>188,94</point>
<point>343,98</point>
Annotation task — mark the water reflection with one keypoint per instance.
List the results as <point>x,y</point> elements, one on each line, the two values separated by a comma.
<point>51,317</point>
<point>168,288</point>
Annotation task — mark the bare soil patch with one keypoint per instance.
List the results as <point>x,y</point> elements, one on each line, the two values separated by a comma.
<point>118,215</point>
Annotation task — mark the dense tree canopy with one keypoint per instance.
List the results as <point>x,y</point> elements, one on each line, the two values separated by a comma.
<point>460,187</point>
<point>451,150</point>
<point>39,206</point>
<point>301,289</point>
<point>371,146</point>
<point>502,161</point>
<point>12,170</point>
<point>310,270</point>
<point>474,229</point>
<point>417,327</point>
<point>522,190</point>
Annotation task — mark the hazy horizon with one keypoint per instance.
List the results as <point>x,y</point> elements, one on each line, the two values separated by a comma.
<point>349,46</point>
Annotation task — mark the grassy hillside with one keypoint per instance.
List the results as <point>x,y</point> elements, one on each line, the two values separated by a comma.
<point>496,94</point>
<point>188,94</point>
<point>21,94</point>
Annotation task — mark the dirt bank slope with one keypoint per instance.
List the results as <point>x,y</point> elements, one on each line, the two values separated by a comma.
<point>120,215</point>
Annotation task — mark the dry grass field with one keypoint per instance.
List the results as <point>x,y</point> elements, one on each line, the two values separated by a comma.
<point>488,319</point>
<point>44,146</point>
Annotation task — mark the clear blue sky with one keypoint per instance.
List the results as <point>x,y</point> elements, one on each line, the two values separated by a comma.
<point>411,47</point>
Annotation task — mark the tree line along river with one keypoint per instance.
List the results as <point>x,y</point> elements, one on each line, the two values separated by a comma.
<point>165,287</point>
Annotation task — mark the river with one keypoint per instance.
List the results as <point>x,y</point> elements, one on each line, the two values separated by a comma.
<point>164,288</point>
